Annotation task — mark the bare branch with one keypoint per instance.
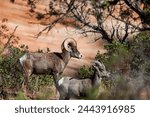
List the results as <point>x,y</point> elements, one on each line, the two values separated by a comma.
<point>93,16</point>
<point>60,18</point>
<point>9,39</point>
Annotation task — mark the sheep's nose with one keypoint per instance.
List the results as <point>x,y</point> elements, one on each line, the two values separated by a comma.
<point>80,56</point>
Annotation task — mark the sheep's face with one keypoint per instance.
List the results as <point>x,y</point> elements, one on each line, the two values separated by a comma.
<point>75,53</point>
<point>70,45</point>
<point>101,70</point>
<point>105,75</point>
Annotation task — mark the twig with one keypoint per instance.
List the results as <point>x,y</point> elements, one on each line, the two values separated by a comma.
<point>9,39</point>
<point>51,25</point>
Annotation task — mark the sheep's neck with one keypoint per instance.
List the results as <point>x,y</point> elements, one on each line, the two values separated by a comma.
<point>95,80</point>
<point>65,56</point>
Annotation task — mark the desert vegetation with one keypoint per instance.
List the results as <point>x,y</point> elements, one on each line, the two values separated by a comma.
<point>122,25</point>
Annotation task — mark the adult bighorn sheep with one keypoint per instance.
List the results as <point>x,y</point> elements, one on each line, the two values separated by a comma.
<point>49,63</point>
<point>70,87</point>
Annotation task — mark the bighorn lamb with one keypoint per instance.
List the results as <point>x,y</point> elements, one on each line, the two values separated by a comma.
<point>70,87</point>
<point>49,63</point>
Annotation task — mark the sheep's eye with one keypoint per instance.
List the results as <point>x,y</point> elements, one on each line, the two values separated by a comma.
<point>69,46</point>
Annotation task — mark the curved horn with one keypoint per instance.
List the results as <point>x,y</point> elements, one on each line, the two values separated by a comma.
<point>97,70</point>
<point>67,42</point>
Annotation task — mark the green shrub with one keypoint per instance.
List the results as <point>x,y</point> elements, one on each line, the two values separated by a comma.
<point>141,56</point>
<point>39,81</point>
<point>12,74</point>
<point>46,92</point>
<point>10,70</point>
<point>117,58</point>
<point>86,71</point>
<point>21,96</point>
<point>129,65</point>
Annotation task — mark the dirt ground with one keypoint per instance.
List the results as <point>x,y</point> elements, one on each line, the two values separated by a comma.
<point>28,26</point>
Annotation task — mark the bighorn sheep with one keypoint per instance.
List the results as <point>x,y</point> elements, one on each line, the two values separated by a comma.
<point>49,63</point>
<point>70,87</point>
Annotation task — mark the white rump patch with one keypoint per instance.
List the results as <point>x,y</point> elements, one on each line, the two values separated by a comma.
<point>61,81</point>
<point>23,58</point>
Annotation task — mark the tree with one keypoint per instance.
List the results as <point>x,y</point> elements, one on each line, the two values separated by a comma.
<point>141,7</point>
<point>109,19</point>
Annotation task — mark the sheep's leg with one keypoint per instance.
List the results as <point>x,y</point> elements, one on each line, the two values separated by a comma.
<point>63,95</point>
<point>56,79</point>
<point>63,98</point>
<point>26,80</point>
<point>24,84</point>
<point>27,72</point>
